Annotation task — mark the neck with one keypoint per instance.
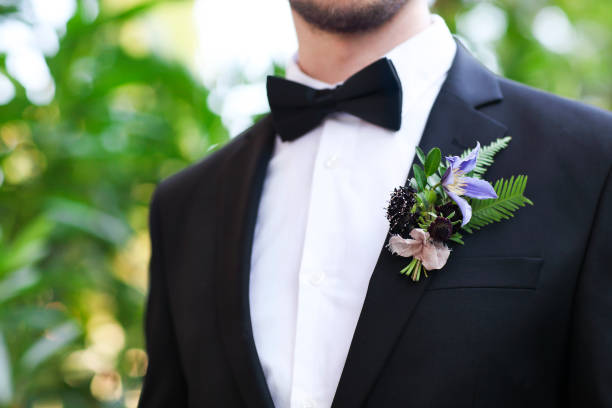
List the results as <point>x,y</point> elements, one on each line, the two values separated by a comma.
<point>333,57</point>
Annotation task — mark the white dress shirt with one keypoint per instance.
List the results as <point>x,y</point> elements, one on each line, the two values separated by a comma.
<point>321,226</point>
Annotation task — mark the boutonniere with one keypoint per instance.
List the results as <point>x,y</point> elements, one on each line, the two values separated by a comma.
<point>444,200</point>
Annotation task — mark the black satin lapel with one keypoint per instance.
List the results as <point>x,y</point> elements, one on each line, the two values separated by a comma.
<point>455,122</point>
<point>240,186</point>
<point>453,125</point>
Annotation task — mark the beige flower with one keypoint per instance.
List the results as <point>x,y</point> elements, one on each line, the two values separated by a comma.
<point>432,254</point>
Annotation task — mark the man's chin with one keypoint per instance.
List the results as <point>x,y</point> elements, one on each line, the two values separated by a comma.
<point>347,16</point>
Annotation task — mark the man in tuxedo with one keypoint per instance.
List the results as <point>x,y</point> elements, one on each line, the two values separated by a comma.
<point>270,281</point>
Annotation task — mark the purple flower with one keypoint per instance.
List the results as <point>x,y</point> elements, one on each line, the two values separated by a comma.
<point>456,184</point>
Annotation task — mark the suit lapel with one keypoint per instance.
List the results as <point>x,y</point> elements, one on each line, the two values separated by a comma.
<point>454,124</point>
<point>240,185</point>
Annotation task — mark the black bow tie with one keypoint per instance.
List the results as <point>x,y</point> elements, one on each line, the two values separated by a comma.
<point>374,94</point>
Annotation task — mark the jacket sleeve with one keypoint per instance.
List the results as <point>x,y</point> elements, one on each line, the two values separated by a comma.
<point>164,384</point>
<point>590,368</point>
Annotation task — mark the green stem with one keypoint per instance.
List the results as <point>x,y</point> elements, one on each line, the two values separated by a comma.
<point>416,273</point>
<point>408,269</point>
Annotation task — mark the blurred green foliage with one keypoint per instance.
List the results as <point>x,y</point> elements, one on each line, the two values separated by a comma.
<point>582,71</point>
<point>76,177</point>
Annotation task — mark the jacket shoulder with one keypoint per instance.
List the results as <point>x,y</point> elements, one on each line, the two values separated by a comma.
<point>201,176</point>
<point>568,113</point>
<point>560,119</point>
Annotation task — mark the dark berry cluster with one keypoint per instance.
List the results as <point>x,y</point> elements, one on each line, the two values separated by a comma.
<point>440,229</point>
<point>447,209</point>
<point>401,219</point>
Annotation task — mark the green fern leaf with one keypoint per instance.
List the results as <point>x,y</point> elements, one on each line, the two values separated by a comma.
<point>485,157</point>
<point>509,199</point>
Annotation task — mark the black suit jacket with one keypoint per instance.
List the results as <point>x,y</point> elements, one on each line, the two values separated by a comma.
<point>521,316</point>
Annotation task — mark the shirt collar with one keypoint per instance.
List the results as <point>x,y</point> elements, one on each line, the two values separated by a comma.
<point>420,61</point>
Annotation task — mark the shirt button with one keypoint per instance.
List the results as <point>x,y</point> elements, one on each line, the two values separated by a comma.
<point>316,278</point>
<point>331,162</point>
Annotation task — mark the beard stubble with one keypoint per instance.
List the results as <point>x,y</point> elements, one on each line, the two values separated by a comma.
<point>356,17</point>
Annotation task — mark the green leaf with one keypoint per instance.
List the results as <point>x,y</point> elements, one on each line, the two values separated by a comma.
<point>421,201</point>
<point>6,385</point>
<point>413,183</point>
<point>419,175</point>
<point>442,168</point>
<point>50,343</point>
<point>4,10</point>
<point>16,282</point>
<point>89,219</point>
<point>485,157</point>
<point>456,237</point>
<point>420,154</point>
<point>433,180</point>
<point>430,196</point>
<point>509,199</point>
<point>28,247</point>
<point>432,162</point>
